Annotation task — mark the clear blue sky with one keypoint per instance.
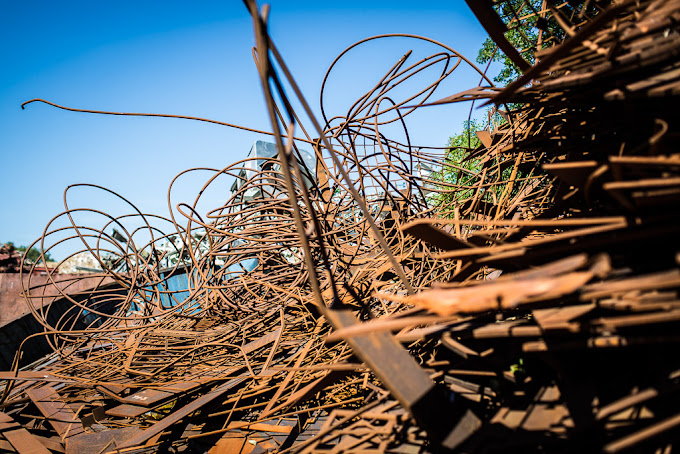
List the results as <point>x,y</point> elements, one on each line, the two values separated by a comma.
<point>178,58</point>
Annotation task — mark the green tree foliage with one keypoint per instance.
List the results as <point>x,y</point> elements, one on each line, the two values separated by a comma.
<point>457,170</point>
<point>32,255</point>
<point>531,27</point>
<point>460,175</point>
<point>526,29</point>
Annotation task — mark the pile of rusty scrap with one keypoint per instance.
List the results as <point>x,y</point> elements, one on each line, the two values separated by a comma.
<point>10,259</point>
<point>365,305</point>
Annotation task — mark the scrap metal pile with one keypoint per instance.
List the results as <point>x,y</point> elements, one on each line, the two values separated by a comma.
<point>10,259</point>
<point>524,300</point>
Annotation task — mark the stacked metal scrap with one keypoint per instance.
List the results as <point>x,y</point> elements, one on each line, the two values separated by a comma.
<point>10,259</point>
<point>358,307</point>
<point>577,348</point>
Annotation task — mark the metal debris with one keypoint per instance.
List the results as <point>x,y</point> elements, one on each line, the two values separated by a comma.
<point>359,307</point>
